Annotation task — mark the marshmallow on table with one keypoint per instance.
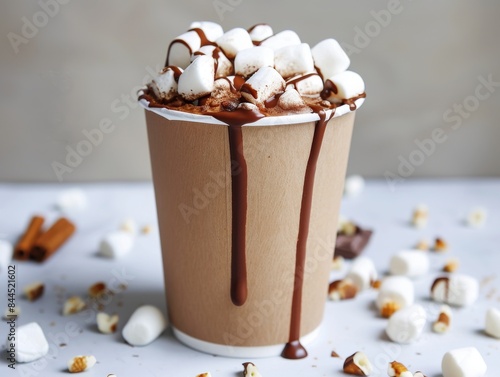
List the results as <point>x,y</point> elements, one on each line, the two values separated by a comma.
<point>492,323</point>
<point>330,58</point>
<point>116,244</point>
<point>292,100</point>
<point>263,84</point>
<point>224,65</point>
<point>144,326</point>
<point>72,200</point>
<point>212,30</point>
<point>165,84</point>
<point>293,60</point>
<point>250,60</point>
<point>30,343</point>
<point>181,48</point>
<point>410,263</point>
<point>6,252</point>
<point>260,32</point>
<point>457,290</point>
<point>354,185</point>
<point>197,80</point>
<point>282,39</point>
<point>397,291</point>
<point>362,273</point>
<point>463,362</point>
<point>406,325</point>
<point>344,85</point>
<point>307,84</point>
<point>234,41</point>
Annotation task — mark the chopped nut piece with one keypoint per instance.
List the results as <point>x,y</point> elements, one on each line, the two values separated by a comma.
<point>420,216</point>
<point>107,323</point>
<point>348,228</point>
<point>376,284</point>
<point>73,305</point>
<point>81,363</point>
<point>250,370</point>
<point>358,364</point>
<point>342,290</point>
<point>442,324</point>
<point>451,265</point>
<point>389,308</point>
<point>423,245</point>
<point>207,374</point>
<point>34,291</point>
<point>129,225</point>
<point>419,374</point>
<point>476,217</point>
<point>97,290</point>
<point>338,262</point>
<point>146,229</point>
<point>440,245</point>
<point>397,369</point>
<point>334,354</point>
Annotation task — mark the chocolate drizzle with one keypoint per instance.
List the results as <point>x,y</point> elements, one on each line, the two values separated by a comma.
<point>293,349</point>
<point>296,80</point>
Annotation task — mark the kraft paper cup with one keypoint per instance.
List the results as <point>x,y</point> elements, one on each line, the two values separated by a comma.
<point>191,167</point>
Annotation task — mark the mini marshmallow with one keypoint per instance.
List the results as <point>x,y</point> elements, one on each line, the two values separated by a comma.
<point>308,84</point>
<point>129,225</point>
<point>362,273</point>
<point>165,85</point>
<point>260,32</point>
<point>72,200</point>
<point>263,84</point>
<point>406,325</point>
<point>144,326</point>
<point>458,290</point>
<point>116,244</point>
<point>79,364</point>
<point>492,325</point>
<point>197,80</point>
<point>282,39</point>
<point>30,343</point>
<point>354,185</point>
<point>330,58</point>
<point>212,30</point>
<point>293,60</point>
<point>234,41</point>
<point>250,60</point>
<point>291,100</point>
<point>250,370</point>
<point>181,48</point>
<point>396,290</point>
<point>463,362</point>
<point>410,263</point>
<point>477,217</point>
<point>420,216</point>
<point>347,84</point>
<point>6,252</point>
<point>224,65</point>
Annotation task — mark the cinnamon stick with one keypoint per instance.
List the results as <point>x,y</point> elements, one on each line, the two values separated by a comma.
<point>32,232</point>
<point>50,241</point>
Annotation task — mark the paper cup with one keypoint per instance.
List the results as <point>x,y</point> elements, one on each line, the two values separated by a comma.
<point>191,164</point>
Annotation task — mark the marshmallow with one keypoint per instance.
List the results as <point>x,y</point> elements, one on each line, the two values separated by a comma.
<point>224,65</point>
<point>197,80</point>
<point>250,370</point>
<point>212,30</point>
<point>6,252</point>
<point>291,100</point>
<point>346,85</point>
<point>250,60</point>
<point>463,362</point>
<point>165,84</point>
<point>181,48</point>
<point>293,60</point>
<point>79,364</point>
<point>260,32</point>
<point>282,39</point>
<point>330,58</point>
<point>308,84</point>
<point>362,273</point>
<point>234,41</point>
<point>410,263</point>
<point>458,290</point>
<point>129,225</point>
<point>397,291</point>
<point>30,343</point>
<point>144,326</point>
<point>406,325</point>
<point>354,185</point>
<point>492,325</point>
<point>476,217</point>
<point>263,84</point>
<point>72,200</point>
<point>116,244</point>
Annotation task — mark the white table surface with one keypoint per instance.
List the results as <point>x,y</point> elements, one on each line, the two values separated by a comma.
<point>348,326</point>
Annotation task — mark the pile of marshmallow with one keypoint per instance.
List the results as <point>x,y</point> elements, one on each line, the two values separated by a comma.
<point>270,63</point>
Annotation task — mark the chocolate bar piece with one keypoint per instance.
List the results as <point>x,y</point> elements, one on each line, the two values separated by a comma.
<point>350,246</point>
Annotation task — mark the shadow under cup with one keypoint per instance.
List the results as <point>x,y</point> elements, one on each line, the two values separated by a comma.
<point>191,165</point>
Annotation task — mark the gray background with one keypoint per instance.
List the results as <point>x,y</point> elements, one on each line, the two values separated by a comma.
<point>73,73</point>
